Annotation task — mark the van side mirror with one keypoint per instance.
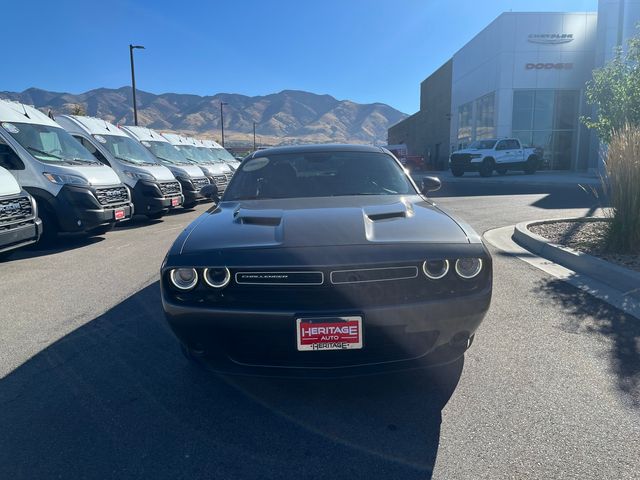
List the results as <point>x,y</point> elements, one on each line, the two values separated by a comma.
<point>430,184</point>
<point>211,192</point>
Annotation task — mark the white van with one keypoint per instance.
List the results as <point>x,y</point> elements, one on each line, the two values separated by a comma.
<point>221,153</point>
<point>74,192</point>
<point>216,171</point>
<point>154,188</point>
<point>191,177</point>
<point>19,222</point>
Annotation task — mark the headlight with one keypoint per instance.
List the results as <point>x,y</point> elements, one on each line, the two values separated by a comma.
<point>184,278</point>
<point>435,269</point>
<point>139,175</point>
<point>217,277</point>
<point>468,267</point>
<point>61,179</point>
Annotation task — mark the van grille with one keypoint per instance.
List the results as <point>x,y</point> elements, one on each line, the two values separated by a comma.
<point>170,189</point>
<point>112,195</point>
<point>200,182</point>
<point>221,182</point>
<point>16,209</point>
<point>228,175</point>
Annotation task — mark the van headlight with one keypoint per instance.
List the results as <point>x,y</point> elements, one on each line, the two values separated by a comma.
<point>184,278</point>
<point>468,267</point>
<point>217,277</point>
<point>139,175</point>
<point>62,179</point>
<point>435,269</point>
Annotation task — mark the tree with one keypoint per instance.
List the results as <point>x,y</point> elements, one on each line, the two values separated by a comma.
<point>78,109</point>
<point>614,91</point>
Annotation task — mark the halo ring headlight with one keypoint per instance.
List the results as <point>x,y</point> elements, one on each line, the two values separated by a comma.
<point>217,277</point>
<point>435,269</point>
<point>184,278</point>
<point>468,268</point>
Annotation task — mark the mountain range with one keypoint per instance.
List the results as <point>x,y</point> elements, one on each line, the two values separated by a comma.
<point>290,116</point>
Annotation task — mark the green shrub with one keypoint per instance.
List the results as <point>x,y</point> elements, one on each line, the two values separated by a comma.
<point>622,186</point>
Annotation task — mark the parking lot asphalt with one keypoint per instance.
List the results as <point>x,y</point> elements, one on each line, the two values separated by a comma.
<point>92,383</point>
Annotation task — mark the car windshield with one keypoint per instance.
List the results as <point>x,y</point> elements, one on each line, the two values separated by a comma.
<point>126,149</point>
<point>51,144</point>
<point>222,154</point>
<point>192,153</point>
<point>483,144</point>
<point>319,174</point>
<point>166,153</point>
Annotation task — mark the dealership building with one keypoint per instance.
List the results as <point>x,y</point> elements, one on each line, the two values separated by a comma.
<point>524,76</point>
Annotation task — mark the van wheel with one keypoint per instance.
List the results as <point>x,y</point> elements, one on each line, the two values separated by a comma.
<point>156,216</point>
<point>501,171</point>
<point>101,230</point>
<point>457,172</point>
<point>189,206</point>
<point>531,166</point>
<point>49,227</point>
<point>486,169</point>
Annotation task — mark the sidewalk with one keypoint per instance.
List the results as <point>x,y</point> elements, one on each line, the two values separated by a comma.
<point>540,178</point>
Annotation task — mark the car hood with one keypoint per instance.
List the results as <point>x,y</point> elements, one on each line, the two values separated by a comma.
<point>326,221</point>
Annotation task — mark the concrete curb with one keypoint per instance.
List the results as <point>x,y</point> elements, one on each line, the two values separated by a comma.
<point>524,180</point>
<point>622,279</point>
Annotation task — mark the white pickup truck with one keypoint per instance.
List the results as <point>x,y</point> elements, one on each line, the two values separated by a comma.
<point>501,155</point>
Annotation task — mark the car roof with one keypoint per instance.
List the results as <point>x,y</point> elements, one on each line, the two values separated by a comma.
<point>317,148</point>
<point>96,126</point>
<point>144,134</point>
<point>11,111</point>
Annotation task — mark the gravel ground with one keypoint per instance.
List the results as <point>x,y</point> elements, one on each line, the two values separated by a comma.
<point>587,237</point>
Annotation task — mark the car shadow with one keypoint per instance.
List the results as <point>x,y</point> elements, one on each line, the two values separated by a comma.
<point>116,399</point>
<point>61,244</point>
<point>591,316</point>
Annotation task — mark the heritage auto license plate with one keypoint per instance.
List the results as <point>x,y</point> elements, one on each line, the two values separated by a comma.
<point>175,202</point>
<point>119,214</point>
<point>329,333</point>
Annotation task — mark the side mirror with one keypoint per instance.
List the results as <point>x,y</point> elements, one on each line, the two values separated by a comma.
<point>430,184</point>
<point>211,192</point>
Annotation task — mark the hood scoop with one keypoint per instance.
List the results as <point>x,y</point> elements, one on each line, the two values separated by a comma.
<point>269,218</point>
<point>376,213</point>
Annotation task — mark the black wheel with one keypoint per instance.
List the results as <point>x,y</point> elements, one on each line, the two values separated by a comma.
<point>101,230</point>
<point>189,206</point>
<point>193,358</point>
<point>501,171</point>
<point>531,166</point>
<point>486,169</point>
<point>49,227</point>
<point>457,172</point>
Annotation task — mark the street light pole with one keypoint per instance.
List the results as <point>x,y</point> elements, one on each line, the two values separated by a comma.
<point>254,136</point>
<point>133,83</point>
<point>222,121</point>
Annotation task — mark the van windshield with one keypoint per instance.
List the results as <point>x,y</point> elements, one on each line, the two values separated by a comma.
<point>167,153</point>
<point>209,155</point>
<point>51,144</point>
<point>126,149</point>
<point>193,154</point>
<point>224,155</point>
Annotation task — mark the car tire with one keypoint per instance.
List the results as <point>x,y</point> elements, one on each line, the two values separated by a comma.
<point>101,230</point>
<point>531,165</point>
<point>457,172</point>
<point>501,171</point>
<point>189,206</point>
<point>486,169</point>
<point>193,359</point>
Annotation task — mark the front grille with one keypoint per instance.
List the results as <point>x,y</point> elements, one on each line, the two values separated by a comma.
<point>200,182</point>
<point>112,195</point>
<point>14,211</point>
<point>280,278</point>
<point>459,159</point>
<point>367,275</point>
<point>228,175</point>
<point>221,182</point>
<point>170,189</point>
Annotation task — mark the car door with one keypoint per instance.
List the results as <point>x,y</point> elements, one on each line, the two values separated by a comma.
<point>502,152</point>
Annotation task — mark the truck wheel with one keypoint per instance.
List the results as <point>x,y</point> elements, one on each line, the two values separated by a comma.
<point>501,171</point>
<point>486,169</point>
<point>531,165</point>
<point>457,172</point>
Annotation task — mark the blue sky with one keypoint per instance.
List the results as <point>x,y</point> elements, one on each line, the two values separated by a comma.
<point>363,50</point>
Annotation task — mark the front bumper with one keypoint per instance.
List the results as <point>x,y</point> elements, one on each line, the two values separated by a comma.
<point>20,236</point>
<point>78,209</point>
<point>191,194</point>
<point>237,340</point>
<point>149,200</point>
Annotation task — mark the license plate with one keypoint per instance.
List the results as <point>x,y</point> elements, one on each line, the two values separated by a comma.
<point>119,214</point>
<point>175,202</point>
<point>329,333</point>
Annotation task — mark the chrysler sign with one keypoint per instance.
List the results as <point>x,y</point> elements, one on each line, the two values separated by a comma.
<point>550,38</point>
